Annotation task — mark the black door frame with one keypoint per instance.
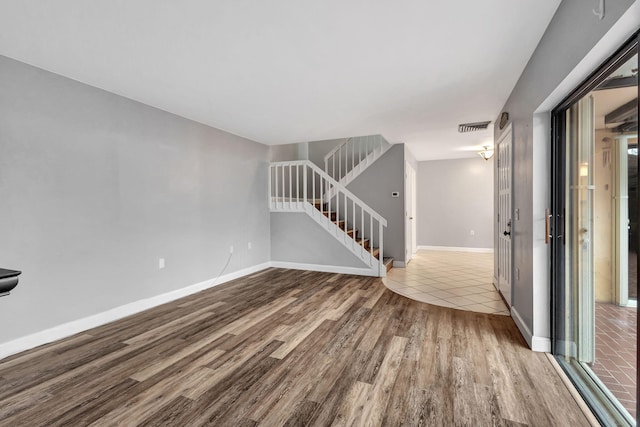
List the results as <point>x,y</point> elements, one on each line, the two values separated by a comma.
<point>557,220</point>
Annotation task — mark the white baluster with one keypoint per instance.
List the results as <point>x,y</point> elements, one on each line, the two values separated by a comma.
<point>283,187</point>
<point>333,170</point>
<point>337,193</point>
<point>339,164</point>
<point>353,224</point>
<point>346,217</point>
<point>353,154</point>
<point>371,236</point>
<point>362,231</point>
<point>380,246</point>
<point>304,186</point>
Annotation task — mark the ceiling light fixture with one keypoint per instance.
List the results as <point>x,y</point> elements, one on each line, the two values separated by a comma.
<point>487,153</point>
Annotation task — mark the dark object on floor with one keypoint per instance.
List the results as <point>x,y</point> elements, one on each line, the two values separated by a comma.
<point>8,281</point>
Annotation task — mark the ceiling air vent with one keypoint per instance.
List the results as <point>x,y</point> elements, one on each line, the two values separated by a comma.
<point>472,127</point>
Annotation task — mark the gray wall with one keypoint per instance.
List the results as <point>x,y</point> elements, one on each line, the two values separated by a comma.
<point>454,198</point>
<point>572,33</point>
<point>283,153</point>
<point>374,187</point>
<point>95,188</point>
<point>316,247</point>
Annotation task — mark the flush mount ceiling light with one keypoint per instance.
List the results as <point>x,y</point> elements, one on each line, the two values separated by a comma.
<point>487,153</point>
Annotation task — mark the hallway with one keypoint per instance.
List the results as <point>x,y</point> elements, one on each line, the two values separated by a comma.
<point>461,280</point>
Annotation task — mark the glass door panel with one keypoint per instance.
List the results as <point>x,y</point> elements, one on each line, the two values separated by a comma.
<point>580,310</point>
<point>594,249</point>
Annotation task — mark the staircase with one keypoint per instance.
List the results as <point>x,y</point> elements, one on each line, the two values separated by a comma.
<point>301,186</point>
<point>349,159</point>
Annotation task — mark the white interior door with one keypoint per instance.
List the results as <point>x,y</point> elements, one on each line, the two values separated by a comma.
<point>504,214</point>
<point>414,210</point>
<point>410,200</point>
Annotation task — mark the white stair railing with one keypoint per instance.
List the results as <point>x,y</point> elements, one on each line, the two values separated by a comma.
<point>348,159</point>
<point>301,186</point>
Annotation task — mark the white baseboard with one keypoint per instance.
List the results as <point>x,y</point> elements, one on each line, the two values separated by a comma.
<point>399,264</point>
<point>324,268</point>
<point>539,344</point>
<point>76,326</point>
<point>456,249</point>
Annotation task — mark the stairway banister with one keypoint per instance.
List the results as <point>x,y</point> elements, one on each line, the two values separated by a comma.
<point>334,150</point>
<point>339,187</point>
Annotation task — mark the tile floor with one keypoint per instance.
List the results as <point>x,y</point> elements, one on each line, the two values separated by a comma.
<point>615,363</point>
<point>461,280</point>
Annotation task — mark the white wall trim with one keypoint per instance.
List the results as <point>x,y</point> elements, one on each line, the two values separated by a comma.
<point>325,268</point>
<point>76,326</point>
<point>399,264</point>
<point>455,249</point>
<point>539,344</point>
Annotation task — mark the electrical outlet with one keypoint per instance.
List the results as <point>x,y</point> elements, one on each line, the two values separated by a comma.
<point>230,249</point>
<point>249,245</point>
<point>472,232</point>
<point>160,263</point>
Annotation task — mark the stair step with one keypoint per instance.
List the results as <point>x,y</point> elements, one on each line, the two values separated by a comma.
<point>328,214</point>
<point>388,262</point>
<point>363,242</point>
<point>353,233</point>
<point>376,253</point>
<point>318,205</point>
<point>340,224</point>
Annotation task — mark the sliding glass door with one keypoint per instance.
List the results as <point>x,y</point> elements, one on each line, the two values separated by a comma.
<point>595,237</point>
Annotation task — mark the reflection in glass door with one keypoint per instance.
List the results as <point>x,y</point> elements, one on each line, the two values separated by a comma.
<point>579,231</point>
<point>594,249</point>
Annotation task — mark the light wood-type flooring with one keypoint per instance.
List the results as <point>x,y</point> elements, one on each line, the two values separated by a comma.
<point>295,348</point>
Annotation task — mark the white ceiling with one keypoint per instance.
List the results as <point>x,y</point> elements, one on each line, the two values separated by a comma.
<point>287,71</point>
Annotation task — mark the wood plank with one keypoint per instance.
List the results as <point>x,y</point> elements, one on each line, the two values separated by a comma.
<point>374,410</point>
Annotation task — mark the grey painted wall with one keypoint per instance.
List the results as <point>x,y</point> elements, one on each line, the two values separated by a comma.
<point>316,247</point>
<point>283,153</point>
<point>374,187</point>
<point>95,188</point>
<point>572,33</point>
<point>454,198</point>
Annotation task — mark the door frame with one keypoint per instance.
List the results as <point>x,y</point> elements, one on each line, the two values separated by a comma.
<point>508,131</point>
<point>590,388</point>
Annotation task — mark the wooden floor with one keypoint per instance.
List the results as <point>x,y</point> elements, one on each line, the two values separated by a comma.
<point>287,347</point>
